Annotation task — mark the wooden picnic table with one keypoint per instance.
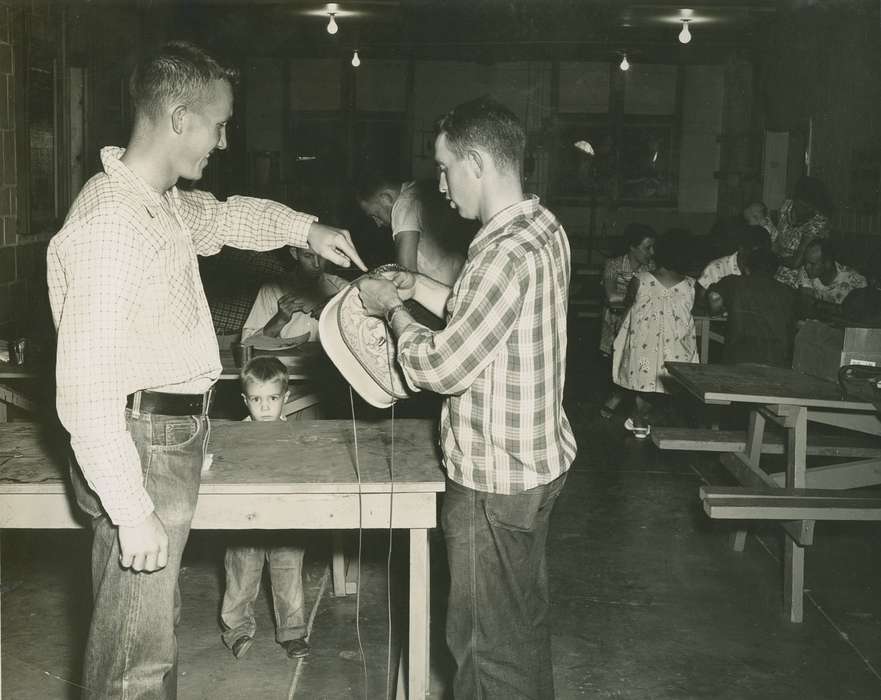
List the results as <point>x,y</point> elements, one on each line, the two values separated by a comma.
<point>275,475</point>
<point>790,400</point>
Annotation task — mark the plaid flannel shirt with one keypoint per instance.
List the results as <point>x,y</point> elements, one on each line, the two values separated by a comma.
<point>501,360</point>
<point>131,313</point>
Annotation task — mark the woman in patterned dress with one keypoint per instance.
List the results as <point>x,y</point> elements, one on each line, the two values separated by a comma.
<point>617,274</point>
<point>803,218</point>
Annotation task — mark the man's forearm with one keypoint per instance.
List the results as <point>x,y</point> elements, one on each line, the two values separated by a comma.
<point>431,294</point>
<point>274,325</point>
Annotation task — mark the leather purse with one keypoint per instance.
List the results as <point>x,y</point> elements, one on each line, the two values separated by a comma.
<point>362,348</point>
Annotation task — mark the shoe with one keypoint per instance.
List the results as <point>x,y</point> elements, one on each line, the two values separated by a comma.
<point>296,648</point>
<point>240,647</point>
<point>606,413</point>
<point>639,433</point>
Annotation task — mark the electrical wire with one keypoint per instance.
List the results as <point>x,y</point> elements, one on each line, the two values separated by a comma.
<point>360,540</point>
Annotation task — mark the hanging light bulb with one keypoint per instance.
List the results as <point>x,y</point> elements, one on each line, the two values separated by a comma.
<point>685,34</point>
<point>332,27</point>
<point>625,64</point>
<point>355,60</point>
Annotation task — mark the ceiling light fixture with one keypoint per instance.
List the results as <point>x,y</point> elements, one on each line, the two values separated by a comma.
<point>332,27</point>
<point>685,34</point>
<point>625,64</point>
<point>355,60</point>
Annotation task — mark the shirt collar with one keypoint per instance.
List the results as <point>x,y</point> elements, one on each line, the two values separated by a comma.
<point>114,167</point>
<point>529,208</point>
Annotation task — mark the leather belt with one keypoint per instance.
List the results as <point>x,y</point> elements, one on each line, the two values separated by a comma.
<point>166,404</point>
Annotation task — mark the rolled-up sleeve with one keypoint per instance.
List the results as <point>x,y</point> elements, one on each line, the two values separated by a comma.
<point>483,314</point>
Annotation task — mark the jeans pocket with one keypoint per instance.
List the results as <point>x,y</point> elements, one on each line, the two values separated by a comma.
<point>516,512</point>
<point>174,434</point>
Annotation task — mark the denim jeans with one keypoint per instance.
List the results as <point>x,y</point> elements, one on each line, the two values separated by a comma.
<point>497,617</point>
<point>131,650</point>
<point>244,570</point>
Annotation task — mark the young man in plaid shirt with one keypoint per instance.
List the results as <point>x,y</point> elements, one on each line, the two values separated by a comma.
<point>500,361</point>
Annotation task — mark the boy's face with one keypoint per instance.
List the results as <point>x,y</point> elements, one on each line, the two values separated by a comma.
<point>754,215</point>
<point>309,263</point>
<point>264,400</point>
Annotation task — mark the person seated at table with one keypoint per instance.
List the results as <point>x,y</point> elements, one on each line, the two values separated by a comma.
<point>657,328</point>
<point>617,273</point>
<point>823,280</point>
<point>428,237</point>
<point>264,391</point>
<point>749,238</point>
<point>761,312</point>
<point>290,309</point>
<point>756,214</point>
<point>803,218</point>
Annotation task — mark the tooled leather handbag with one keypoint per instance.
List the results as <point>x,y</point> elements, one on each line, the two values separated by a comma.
<point>362,347</point>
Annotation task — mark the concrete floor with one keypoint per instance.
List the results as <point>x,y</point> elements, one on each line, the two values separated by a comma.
<point>649,601</point>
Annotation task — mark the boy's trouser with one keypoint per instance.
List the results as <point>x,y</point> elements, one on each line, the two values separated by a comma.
<point>244,569</point>
<point>131,650</point>
<point>497,617</point>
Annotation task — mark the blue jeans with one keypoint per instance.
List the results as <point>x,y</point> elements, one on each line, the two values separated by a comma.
<point>244,571</point>
<point>497,617</point>
<point>131,650</point>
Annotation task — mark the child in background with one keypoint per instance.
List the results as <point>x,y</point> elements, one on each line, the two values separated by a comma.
<point>264,390</point>
<point>658,328</point>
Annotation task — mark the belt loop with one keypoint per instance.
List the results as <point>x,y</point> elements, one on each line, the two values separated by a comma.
<point>206,400</point>
<point>136,404</point>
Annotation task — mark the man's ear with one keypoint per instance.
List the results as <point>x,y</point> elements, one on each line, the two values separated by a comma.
<point>477,161</point>
<point>387,198</point>
<point>244,399</point>
<point>287,396</point>
<point>178,115</point>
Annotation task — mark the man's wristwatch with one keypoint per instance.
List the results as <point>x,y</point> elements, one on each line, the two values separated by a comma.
<point>389,314</point>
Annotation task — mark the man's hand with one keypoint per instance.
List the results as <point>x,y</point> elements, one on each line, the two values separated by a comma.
<point>334,244</point>
<point>378,295</point>
<point>404,281</point>
<point>143,547</point>
<point>292,303</point>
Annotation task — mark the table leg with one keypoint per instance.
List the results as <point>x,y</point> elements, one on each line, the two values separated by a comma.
<point>338,565</point>
<point>704,324</point>
<point>754,437</point>
<point>794,554</point>
<point>418,667</point>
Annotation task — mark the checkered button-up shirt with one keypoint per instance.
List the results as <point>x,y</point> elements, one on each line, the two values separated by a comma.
<point>501,360</point>
<point>130,311</point>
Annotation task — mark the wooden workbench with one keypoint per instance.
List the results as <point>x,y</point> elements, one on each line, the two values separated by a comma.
<point>276,475</point>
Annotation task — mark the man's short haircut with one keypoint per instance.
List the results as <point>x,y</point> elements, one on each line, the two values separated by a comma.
<point>368,185</point>
<point>761,262</point>
<point>827,249</point>
<point>751,237</point>
<point>175,73</point>
<point>635,234</point>
<point>761,205</point>
<point>264,368</point>
<point>487,124</point>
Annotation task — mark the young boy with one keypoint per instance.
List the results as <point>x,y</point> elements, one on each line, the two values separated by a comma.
<point>264,391</point>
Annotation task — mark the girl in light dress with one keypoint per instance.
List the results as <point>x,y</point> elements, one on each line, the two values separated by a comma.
<point>658,327</point>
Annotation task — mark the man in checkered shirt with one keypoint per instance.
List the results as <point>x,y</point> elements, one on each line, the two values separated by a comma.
<point>500,361</point>
<point>137,353</point>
